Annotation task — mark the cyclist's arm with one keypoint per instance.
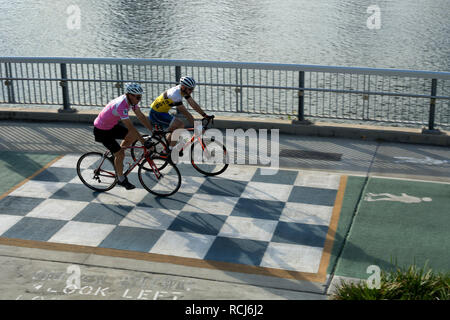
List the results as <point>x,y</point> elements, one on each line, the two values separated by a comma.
<point>131,129</point>
<point>196,107</point>
<point>143,119</point>
<point>181,108</point>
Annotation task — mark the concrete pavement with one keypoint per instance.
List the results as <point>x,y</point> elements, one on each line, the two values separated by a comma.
<point>43,274</point>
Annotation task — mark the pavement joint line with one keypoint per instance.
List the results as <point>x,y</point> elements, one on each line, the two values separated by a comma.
<point>352,221</point>
<point>373,158</point>
<point>366,180</point>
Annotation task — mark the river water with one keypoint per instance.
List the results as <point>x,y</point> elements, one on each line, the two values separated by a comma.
<point>413,34</point>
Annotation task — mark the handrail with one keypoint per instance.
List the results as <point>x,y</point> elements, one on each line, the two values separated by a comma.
<point>378,93</point>
<point>230,64</point>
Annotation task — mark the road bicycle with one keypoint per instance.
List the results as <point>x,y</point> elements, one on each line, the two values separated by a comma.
<point>159,177</point>
<point>207,155</point>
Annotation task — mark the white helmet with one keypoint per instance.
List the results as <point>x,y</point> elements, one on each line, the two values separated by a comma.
<point>133,88</point>
<point>188,82</point>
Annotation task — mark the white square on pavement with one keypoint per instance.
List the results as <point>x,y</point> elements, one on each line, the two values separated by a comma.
<point>7,221</point>
<point>306,213</point>
<point>292,257</point>
<point>267,191</point>
<point>37,189</point>
<point>120,196</point>
<point>82,233</point>
<point>213,204</point>
<point>57,209</point>
<point>183,244</point>
<point>190,184</point>
<point>317,179</point>
<point>68,161</point>
<point>150,218</point>
<point>240,173</point>
<point>248,228</point>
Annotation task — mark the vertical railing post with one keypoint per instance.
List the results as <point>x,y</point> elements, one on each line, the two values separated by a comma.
<point>65,91</point>
<point>240,91</point>
<point>177,78</point>
<point>301,96</point>
<point>366,97</point>
<point>237,90</point>
<point>177,73</point>
<point>119,77</point>
<point>432,105</point>
<point>9,84</point>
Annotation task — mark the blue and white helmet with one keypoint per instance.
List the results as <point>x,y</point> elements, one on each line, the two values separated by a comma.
<point>133,88</point>
<point>188,82</point>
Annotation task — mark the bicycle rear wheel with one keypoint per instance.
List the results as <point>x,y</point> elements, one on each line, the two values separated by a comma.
<point>210,157</point>
<point>161,182</point>
<point>96,171</point>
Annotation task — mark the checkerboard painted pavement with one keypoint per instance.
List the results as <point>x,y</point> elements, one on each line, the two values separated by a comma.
<point>240,219</point>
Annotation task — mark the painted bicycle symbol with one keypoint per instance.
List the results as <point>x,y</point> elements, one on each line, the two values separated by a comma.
<point>404,198</point>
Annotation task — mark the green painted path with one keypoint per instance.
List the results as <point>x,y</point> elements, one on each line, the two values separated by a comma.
<point>15,167</point>
<point>395,222</point>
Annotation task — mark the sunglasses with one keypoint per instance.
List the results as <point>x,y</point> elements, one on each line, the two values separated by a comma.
<point>138,97</point>
<point>188,89</point>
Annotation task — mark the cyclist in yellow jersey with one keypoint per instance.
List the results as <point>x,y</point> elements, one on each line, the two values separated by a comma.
<point>159,112</point>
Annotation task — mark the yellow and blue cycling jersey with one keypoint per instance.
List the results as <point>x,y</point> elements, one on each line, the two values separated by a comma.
<point>159,112</point>
<point>168,99</point>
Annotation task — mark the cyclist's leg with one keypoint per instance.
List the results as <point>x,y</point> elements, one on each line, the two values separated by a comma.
<point>176,124</point>
<point>108,138</point>
<point>128,140</point>
<point>119,155</point>
<point>166,121</point>
<point>109,141</point>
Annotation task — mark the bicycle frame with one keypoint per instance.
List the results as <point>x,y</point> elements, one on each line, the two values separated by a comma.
<point>163,134</point>
<point>145,155</point>
<point>159,140</point>
<point>99,170</point>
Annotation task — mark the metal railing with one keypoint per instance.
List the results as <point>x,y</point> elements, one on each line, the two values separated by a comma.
<point>297,91</point>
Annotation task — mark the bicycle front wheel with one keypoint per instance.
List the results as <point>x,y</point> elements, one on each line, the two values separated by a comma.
<point>209,157</point>
<point>96,171</point>
<point>161,182</point>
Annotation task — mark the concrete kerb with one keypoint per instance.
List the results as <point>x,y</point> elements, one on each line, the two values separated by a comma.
<point>169,269</point>
<point>322,129</point>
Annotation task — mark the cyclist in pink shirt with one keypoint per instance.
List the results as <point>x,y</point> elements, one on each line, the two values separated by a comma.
<point>114,123</point>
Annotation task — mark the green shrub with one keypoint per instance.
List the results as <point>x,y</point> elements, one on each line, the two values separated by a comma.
<point>410,284</point>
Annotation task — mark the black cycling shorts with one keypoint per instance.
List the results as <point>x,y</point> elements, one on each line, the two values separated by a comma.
<point>108,137</point>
